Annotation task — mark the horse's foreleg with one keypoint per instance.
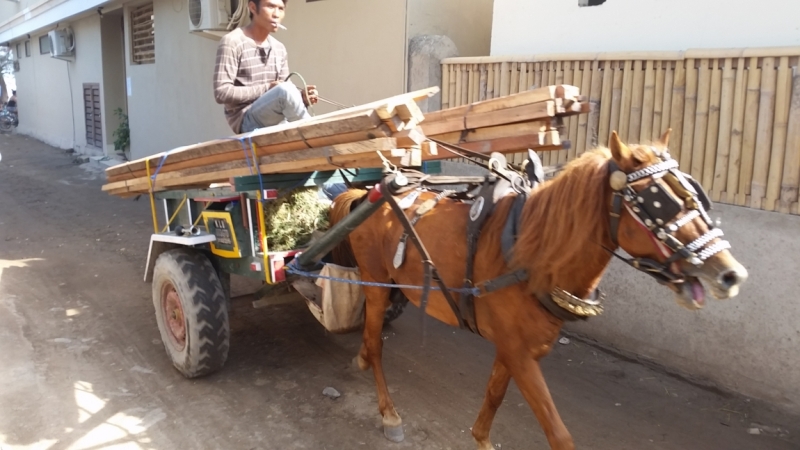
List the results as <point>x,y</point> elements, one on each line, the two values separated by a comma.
<point>528,376</point>
<point>370,356</point>
<point>495,391</point>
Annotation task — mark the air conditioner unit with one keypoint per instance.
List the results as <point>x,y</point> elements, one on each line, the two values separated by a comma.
<point>208,15</point>
<point>62,43</point>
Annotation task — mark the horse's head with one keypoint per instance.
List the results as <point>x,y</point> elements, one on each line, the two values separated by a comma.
<point>659,217</point>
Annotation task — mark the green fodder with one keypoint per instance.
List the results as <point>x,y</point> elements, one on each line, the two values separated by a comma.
<point>291,219</point>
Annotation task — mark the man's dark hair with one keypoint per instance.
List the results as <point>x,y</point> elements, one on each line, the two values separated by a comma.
<point>258,3</point>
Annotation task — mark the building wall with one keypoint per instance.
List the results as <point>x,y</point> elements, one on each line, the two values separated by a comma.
<point>15,11</point>
<point>171,103</point>
<point>43,98</point>
<point>353,50</point>
<point>321,41</point>
<point>88,68</point>
<point>747,344</point>
<point>468,24</point>
<point>530,27</point>
<point>50,91</point>
<point>8,9</point>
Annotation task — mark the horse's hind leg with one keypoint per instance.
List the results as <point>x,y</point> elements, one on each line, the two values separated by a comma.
<point>495,391</point>
<point>370,356</point>
<point>530,380</point>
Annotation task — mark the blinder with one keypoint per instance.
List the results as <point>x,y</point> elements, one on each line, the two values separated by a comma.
<point>689,189</point>
<point>658,203</point>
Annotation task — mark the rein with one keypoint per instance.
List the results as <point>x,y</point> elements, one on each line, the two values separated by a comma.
<point>655,208</point>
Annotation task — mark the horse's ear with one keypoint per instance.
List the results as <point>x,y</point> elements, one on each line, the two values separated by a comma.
<point>664,140</point>
<point>620,152</point>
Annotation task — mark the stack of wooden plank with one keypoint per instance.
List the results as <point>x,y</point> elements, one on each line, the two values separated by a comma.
<point>528,120</point>
<point>395,127</point>
<point>336,139</point>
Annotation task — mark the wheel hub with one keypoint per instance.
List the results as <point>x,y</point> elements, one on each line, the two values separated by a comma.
<point>173,316</point>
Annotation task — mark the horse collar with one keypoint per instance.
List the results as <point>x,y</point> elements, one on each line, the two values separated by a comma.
<point>568,307</point>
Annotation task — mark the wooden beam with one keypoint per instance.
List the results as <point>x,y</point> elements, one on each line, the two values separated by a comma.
<point>296,161</point>
<point>358,118</point>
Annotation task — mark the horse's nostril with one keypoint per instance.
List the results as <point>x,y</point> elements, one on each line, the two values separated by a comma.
<point>729,279</point>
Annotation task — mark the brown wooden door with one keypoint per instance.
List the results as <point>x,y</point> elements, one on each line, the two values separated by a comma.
<point>91,102</point>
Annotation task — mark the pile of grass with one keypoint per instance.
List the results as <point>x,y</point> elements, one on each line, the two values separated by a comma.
<point>291,219</point>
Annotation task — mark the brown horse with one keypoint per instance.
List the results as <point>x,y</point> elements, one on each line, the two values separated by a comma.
<point>568,225</point>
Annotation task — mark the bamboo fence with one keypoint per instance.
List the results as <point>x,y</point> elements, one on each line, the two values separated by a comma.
<point>734,113</point>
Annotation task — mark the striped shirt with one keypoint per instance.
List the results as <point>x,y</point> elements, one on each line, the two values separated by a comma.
<point>243,72</point>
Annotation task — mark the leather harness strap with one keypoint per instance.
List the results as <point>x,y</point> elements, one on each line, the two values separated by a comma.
<point>481,209</point>
<point>430,269</point>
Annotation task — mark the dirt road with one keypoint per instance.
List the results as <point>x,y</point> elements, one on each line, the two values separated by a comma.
<point>83,367</point>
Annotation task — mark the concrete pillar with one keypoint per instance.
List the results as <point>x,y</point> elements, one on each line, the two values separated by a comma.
<point>424,69</point>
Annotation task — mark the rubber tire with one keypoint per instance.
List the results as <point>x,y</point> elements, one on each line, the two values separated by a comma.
<point>205,311</point>
<point>6,127</point>
<point>225,282</point>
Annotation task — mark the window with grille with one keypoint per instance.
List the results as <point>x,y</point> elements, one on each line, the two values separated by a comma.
<point>27,48</point>
<point>44,45</point>
<point>19,51</point>
<point>143,38</point>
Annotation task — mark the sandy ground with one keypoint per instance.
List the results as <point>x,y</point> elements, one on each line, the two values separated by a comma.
<point>82,365</point>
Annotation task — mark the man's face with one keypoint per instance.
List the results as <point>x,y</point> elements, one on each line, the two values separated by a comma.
<point>268,14</point>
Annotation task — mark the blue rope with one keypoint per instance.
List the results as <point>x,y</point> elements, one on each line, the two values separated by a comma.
<point>160,164</point>
<point>246,156</point>
<point>167,153</point>
<point>290,268</point>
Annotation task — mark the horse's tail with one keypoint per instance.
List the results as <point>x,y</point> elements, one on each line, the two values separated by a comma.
<point>342,205</point>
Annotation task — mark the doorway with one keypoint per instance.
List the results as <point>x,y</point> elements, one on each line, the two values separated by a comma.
<point>115,99</point>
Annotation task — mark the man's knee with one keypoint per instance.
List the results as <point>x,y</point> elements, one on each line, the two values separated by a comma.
<point>289,91</point>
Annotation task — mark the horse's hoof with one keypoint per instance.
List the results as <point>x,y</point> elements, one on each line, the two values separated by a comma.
<point>360,363</point>
<point>485,445</point>
<point>394,433</point>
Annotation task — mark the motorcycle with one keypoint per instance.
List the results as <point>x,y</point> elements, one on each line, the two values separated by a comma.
<point>8,118</point>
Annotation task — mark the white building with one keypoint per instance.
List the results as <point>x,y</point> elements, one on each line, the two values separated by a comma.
<point>143,58</point>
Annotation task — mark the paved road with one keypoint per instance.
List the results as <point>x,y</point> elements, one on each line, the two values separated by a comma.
<point>83,366</point>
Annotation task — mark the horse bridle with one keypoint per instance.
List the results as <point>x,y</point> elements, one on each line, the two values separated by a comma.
<point>659,211</point>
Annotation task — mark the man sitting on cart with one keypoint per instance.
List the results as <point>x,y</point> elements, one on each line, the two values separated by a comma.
<point>250,77</point>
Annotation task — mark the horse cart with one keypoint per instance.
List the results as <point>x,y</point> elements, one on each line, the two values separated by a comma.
<point>522,256</point>
<point>213,233</point>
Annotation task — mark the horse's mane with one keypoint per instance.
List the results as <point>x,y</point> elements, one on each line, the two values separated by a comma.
<point>566,217</point>
<point>342,205</point>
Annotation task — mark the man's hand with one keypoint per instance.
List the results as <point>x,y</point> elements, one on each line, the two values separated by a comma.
<point>274,83</point>
<point>312,96</point>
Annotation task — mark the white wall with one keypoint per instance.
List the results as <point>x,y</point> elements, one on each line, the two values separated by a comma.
<point>8,9</point>
<point>87,68</point>
<point>172,101</point>
<point>13,10</point>
<point>353,50</point>
<point>749,344</point>
<point>332,44</point>
<point>467,23</point>
<point>50,91</point>
<point>44,97</point>
<point>555,26</point>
